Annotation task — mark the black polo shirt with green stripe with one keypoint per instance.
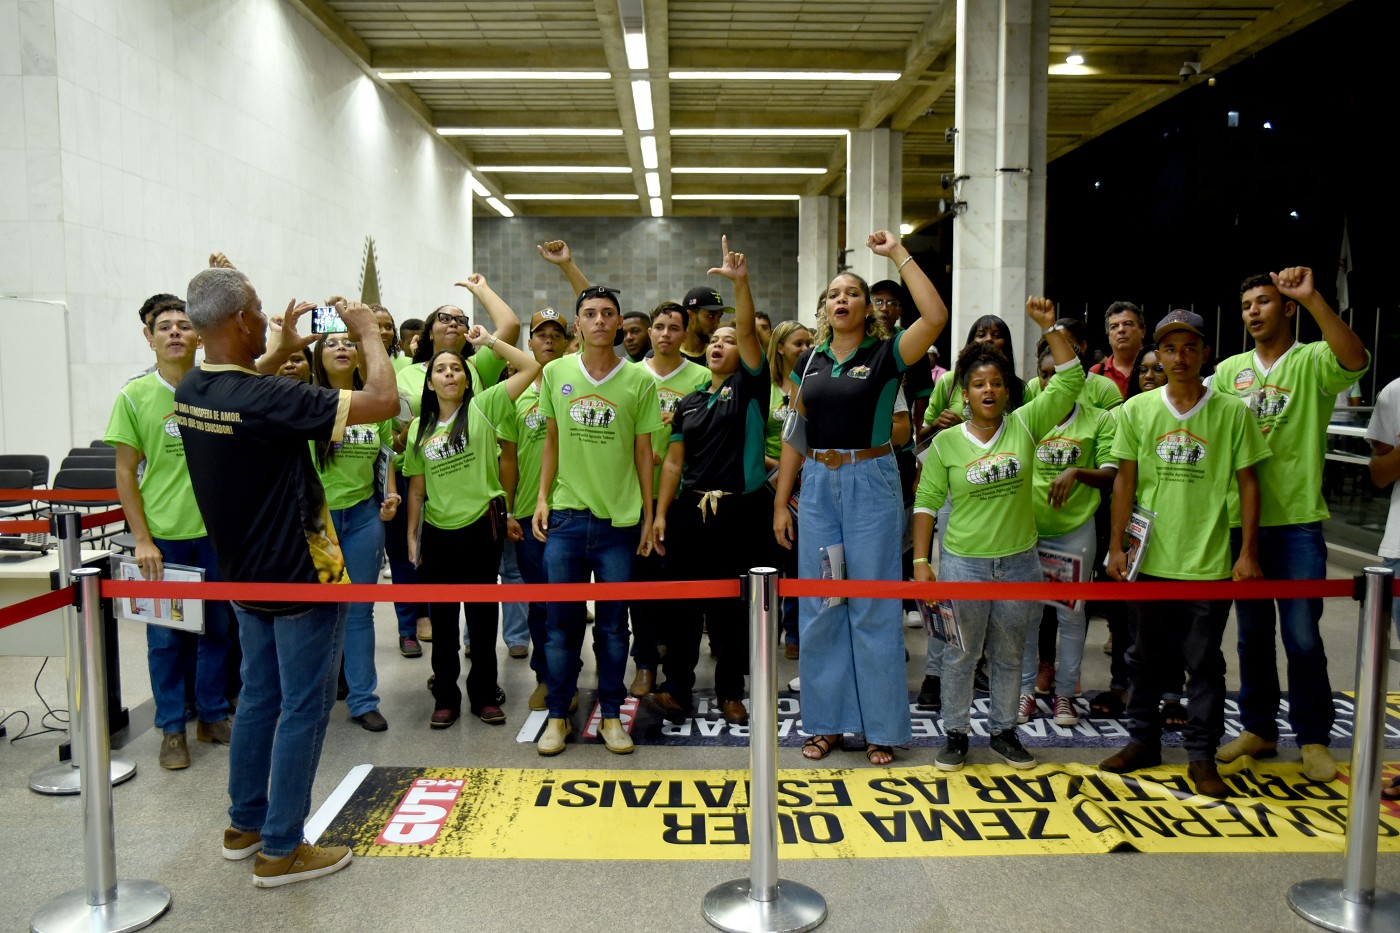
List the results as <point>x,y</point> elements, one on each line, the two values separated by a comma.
<point>850,403</point>
<point>723,433</point>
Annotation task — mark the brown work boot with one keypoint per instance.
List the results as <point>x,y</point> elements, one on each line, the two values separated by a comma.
<point>1132,756</point>
<point>174,752</point>
<point>1206,779</point>
<point>643,682</point>
<point>1318,764</point>
<point>220,732</point>
<point>1246,743</point>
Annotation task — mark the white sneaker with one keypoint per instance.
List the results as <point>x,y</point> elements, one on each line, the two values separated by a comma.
<point>1025,709</point>
<point>795,685</point>
<point>912,619</point>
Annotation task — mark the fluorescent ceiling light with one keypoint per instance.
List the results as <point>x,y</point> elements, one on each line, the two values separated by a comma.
<point>524,131</point>
<point>636,45</point>
<point>698,131</point>
<point>736,170</point>
<point>784,76</point>
<point>1074,58</point>
<point>474,74</point>
<point>906,229</point>
<point>477,187</point>
<point>572,197</point>
<point>735,197</point>
<point>1068,69</point>
<point>500,208</point>
<point>649,160</point>
<point>656,210</point>
<point>641,102</point>
<point>653,185</point>
<point>557,169</point>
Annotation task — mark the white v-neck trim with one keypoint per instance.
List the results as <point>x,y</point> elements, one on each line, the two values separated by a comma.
<point>1073,413</point>
<point>597,382</point>
<point>662,377</point>
<point>1183,415</point>
<point>991,441</point>
<point>1264,371</point>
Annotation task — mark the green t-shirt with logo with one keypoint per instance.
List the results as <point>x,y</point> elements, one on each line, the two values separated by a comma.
<point>1292,403</point>
<point>1085,439</point>
<point>670,389</point>
<point>143,417</point>
<point>1186,465</point>
<point>990,484</point>
<point>349,476</point>
<point>773,427</point>
<point>527,431</point>
<point>461,479</point>
<point>598,423</point>
<point>941,398</point>
<point>1099,391</point>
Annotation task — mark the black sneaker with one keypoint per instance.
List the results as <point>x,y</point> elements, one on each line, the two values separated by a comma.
<point>930,694</point>
<point>954,754</point>
<point>1006,746</point>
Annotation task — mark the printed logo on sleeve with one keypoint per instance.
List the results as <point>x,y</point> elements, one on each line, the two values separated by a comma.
<point>1059,451</point>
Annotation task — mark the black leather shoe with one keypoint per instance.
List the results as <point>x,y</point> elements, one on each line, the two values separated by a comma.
<point>930,694</point>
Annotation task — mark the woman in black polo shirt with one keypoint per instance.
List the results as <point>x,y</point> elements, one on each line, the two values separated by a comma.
<point>853,651</point>
<point>716,521</point>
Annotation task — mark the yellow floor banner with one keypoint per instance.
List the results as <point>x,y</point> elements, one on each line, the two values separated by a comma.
<point>841,813</point>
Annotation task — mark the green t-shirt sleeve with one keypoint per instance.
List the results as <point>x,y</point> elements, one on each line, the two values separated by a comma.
<point>1043,411</point>
<point>508,429</point>
<point>496,406</point>
<point>1252,447</point>
<point>1125,440</point>
<point>1103,392</point>
<point>547,389</point>
<point>1105,432</point>
<point>938,399</point>
<point>933,482</point>
<point>648,408</point>
<point>121,426</point>
<point>412,455</point>
<point>1330,374</point>
<point>488,365</point>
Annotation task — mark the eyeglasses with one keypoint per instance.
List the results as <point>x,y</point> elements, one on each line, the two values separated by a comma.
<point>886,302</point>
<point>459,319</point>
<point>1157,368</point>
<point>339,343</point>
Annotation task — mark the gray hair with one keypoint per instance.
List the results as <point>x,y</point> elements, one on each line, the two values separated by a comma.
<point>215,296</point>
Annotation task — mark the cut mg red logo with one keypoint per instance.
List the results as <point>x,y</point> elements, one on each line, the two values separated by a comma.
<point>420,815</point>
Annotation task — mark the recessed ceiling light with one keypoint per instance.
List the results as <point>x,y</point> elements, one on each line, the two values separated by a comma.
<point>571,197</point>
<point>744,131</point>
<point>653,184</point>
<point>641,103</point>
<point>500,208</point>
<point>737,170</point>
<point>784,76</point>
<point>525,131</point>
<point>649,159</point>
<point>635,43</point>
<point>474,74</point>
<point>557,169</point>
<point>735,197</point>
<point>477,187</point>
<point>656,210</point>
<point>1074,58</point>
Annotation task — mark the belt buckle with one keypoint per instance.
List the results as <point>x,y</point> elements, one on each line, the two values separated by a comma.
<point>830,459</point>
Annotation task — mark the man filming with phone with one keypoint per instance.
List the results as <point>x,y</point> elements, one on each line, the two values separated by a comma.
<point>265,511</point>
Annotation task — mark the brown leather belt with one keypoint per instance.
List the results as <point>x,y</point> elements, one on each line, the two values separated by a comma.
<point>834,459</point>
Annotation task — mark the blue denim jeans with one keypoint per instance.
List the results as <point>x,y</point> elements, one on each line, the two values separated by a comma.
<point>1000,624</point>
<point>361,535</point>
<point>168,650</point>
<point>515,617</point>
<point>852,661</point>
<point>401,569</point>
<point>1286,552</point>
<point>1072,623</point>
<point>529,558</point>
<point>580,543</point>
<point>289,678</point>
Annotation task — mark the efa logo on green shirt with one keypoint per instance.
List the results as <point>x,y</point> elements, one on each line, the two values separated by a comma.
<point>170,426</point>
<point>668,399</point>
<point>359,434</point>
<point>1268,402</point>
<point>993,469</point>
<point>533,419</point>
<point>1058,451</point>
<point>1181,447</point>
<point>442,447</point>
<point>592,411</point>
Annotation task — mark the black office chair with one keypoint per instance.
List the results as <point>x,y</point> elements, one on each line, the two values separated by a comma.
<point>37,464</point>
<point>104,477</point>
<point>15,479</point>
<point>88,463</point>
<point>99,443</point>
<point>101,453</point>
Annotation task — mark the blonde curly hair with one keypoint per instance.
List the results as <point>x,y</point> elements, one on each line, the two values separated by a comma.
<point>874,324</point>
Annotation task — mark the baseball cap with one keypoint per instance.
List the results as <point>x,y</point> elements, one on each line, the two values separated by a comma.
<point>704,298</point>
<point>1180,320</point>
<point>547,316</point>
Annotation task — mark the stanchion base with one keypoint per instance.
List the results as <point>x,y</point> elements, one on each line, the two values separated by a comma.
<point>64,778</point>
<point>1320,901</point>
<point>137,905</point>
<point>796,908</point>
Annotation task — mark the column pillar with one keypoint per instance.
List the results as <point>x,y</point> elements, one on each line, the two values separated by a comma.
<point>874,196</point>
<point>816,254</point>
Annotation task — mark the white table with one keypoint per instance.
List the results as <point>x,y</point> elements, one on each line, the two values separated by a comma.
<point>23,577</point>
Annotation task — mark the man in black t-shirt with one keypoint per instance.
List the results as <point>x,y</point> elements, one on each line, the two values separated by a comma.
<point>245,438</point>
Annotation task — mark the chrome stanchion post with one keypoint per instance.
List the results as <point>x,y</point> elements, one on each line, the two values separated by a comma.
<point>104,904</point>
<point>763,903</point>
<point>63,778</point>
<point>1353,904</point>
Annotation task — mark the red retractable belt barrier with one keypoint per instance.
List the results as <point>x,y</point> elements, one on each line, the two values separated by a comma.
<point>37,606</point>
<point>32,525</point>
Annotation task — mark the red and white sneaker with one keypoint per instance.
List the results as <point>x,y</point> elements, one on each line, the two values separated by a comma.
<point>1064,712</point>
<point>1026,709</point>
